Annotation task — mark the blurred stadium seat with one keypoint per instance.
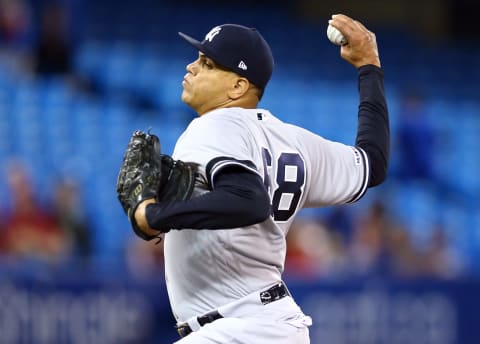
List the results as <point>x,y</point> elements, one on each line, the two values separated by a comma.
<point>141,58</point>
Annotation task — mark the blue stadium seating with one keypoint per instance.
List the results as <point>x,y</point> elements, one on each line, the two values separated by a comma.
<point>56,128</point>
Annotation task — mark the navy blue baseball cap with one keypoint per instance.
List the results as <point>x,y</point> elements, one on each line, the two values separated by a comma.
<point>238,48</point>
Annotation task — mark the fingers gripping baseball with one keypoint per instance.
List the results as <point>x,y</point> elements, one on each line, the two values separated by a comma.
<point>361,48</point>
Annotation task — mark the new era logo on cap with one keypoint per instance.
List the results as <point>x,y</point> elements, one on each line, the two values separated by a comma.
<point>238,48</point>
<point>242,65</point>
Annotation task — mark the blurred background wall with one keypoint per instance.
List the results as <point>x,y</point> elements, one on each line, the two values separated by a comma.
<point>78,76</point>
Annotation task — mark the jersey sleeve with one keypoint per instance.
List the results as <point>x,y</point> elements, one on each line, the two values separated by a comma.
<point>337,173</point>
<point>215,142</point>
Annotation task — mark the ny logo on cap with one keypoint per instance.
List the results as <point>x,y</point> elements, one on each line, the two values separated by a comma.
<point>213,32</point>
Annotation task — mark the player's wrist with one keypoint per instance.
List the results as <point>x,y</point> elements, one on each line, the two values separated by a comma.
<point>369,61</point>
<point>369,68</point>
<point>140,218</point>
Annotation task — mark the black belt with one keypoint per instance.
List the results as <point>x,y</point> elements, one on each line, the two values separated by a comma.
<point>275,293</point>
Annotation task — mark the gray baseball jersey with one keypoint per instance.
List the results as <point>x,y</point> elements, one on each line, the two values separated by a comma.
<point>209,268</point>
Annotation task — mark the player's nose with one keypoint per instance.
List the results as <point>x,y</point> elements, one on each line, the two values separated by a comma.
<point>191,67</point>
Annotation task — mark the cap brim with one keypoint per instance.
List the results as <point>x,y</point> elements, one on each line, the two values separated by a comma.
<point>192,41</point>
<point>202,48</point>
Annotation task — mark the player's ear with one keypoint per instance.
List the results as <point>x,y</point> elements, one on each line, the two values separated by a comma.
<point>239,87</point>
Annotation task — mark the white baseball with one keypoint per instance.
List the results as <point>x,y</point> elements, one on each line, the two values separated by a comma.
<point>335,36</point>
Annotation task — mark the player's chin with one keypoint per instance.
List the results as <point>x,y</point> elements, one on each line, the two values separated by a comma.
<point>186,97</point>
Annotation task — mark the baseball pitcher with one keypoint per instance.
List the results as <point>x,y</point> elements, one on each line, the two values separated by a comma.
<point>225,200</point>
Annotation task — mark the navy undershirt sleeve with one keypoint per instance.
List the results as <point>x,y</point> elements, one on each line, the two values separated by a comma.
<point>373,134</point>
<point>238,199</point>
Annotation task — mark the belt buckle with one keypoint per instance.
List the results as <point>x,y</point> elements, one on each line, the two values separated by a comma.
<point>275,293</point>
<point>265,297</point>
<point>184,330</point>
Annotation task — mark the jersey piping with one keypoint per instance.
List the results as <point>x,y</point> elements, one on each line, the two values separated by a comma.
<point>366,174</point>
<point>217,164</point>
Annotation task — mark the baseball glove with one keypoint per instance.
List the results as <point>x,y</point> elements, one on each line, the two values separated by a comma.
<point>178,179</point>
<point>145,174</point>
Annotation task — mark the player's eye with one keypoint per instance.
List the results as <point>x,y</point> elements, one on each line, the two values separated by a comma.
<point>207,64</point>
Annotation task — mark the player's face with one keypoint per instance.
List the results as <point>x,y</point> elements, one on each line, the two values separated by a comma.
<point>206,85</point>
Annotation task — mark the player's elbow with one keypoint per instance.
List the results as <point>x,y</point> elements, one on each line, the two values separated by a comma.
<point>377,180</point>
<point>256,209</point>
<point>378,170</point>
<point>262,205</point>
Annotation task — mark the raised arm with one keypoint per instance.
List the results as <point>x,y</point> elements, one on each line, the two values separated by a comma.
<point>373,134</point>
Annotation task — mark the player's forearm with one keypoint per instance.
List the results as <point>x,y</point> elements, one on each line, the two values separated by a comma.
<point>373,134</point>
<point>239,199</point>
<point>146,232</point>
